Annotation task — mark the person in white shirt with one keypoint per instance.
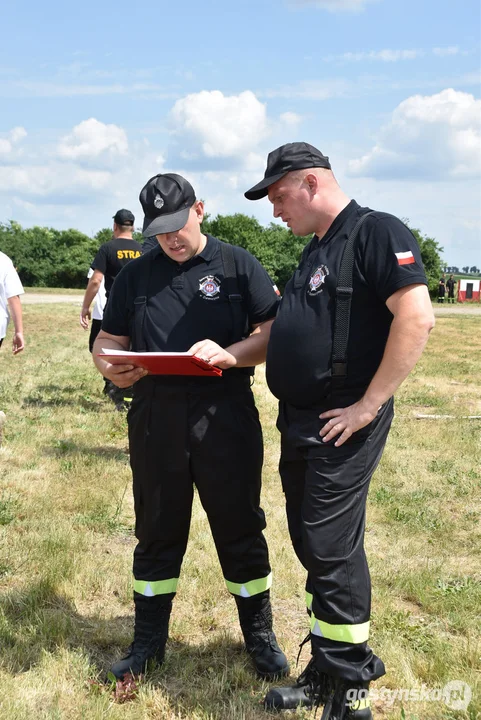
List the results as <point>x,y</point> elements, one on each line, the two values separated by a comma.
<point>10,306</point>
<point>10,290</point>
<point>98,311</point>
<point>97,315</point>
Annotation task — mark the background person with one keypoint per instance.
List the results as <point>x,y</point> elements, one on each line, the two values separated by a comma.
<point>10,306</point>
<point>334,417</point>
<point>111,257</point>
<point>98,310</point>
<point>193,293</point>
<point>450,285</point>
<point>149,244</point>
<point>442,289</point>
<point>97,315</point>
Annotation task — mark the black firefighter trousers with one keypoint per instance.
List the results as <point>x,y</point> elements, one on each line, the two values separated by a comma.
<point>205,433</point>
<point>326,490</point>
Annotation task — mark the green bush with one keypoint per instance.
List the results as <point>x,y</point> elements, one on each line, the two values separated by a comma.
<point>45,257</point>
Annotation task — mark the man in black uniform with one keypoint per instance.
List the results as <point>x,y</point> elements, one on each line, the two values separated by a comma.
<point>111,257</point>
<point>450,283</point>
<point>334,367</point>
<point>193,293</point>
<point>442,289</point>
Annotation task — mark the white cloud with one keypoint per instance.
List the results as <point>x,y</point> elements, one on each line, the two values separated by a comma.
<point>434,137</point>
<point>17,134</point>
<point>53,179</point>
<point>442,52</point>
<point>389,55</point>
<point>41,88</point>
<point>310,89</point>
<point>290,119</point>
<point>92,138</point>
<point>332,5</point>
<point>212,125</point>
<point>386,55</point>
<point>13,137</point>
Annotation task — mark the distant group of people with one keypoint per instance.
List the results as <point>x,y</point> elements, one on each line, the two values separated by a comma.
<point>446,285</point>
<point>351,325</point>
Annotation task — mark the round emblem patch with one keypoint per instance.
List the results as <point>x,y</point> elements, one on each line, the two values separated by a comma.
<point>316,281</point>
<point>209,287</point>
<point>159,202</point>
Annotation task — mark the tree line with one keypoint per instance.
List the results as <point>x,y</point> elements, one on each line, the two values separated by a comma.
<point>454,270</point>
<point>46,257</point>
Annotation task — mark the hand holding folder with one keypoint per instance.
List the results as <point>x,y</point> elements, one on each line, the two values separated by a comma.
<point>162,363</point>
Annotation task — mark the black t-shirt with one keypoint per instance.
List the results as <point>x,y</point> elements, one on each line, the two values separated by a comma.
<point>112,256</point>
<point>450,283</point>
<point>387,258</point>
<point>187,302</point>
<point>150,243</point>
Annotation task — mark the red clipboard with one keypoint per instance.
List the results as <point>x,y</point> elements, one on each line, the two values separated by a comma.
<point>162,363</point>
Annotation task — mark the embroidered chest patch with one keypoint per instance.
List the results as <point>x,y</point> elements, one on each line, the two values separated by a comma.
<point>209,287</point>
<point>316,281</point>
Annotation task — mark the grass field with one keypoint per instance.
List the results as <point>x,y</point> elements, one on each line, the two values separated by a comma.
<point>55,291</point>
<point>66,543</point>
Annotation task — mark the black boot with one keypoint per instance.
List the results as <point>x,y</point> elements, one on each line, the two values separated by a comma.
<point>348,701</point>
<point>255,616</point>
<point>150,636</point>
<point>121,397</point>
<point>311,689</point>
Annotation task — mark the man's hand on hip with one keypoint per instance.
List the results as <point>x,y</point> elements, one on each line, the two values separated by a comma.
<point>343,422</point>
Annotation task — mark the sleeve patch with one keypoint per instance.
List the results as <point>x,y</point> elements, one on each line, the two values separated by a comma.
<point>405,258</point>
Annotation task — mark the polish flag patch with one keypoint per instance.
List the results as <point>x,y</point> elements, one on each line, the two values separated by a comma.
<point>276,289</point>
<point>405,258</point>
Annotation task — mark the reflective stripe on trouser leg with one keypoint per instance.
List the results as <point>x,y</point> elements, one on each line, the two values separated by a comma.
<point>151,588</point>
<point>309,598</point>
<point>354,634</point>
<point>248,589</point>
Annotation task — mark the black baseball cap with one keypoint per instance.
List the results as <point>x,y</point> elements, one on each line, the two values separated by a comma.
<point>166,201</point>
<point>124,217</point>
<point>293,156</point>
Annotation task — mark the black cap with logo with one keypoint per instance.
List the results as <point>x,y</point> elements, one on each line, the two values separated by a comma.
<point>166,201</point>
<point>293,156</point>
<point>124,217</point>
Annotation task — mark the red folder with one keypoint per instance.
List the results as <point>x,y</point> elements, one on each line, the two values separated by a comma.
<point>162,363</point>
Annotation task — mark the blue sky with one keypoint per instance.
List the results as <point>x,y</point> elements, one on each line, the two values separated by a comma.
<point>96,98</point>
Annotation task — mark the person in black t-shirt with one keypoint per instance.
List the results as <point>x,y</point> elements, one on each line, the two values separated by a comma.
<point>334,417</point>
<point>193,293</point>
<point>111,257</point>
<point>450,283</point>
<point>442,289</point>
<point>150,243</point>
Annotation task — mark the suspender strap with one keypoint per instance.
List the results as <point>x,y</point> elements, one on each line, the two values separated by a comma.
<point>230,273</point>
<point>140,306</point>
<point>343,308</point>
<point>231,287</point>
